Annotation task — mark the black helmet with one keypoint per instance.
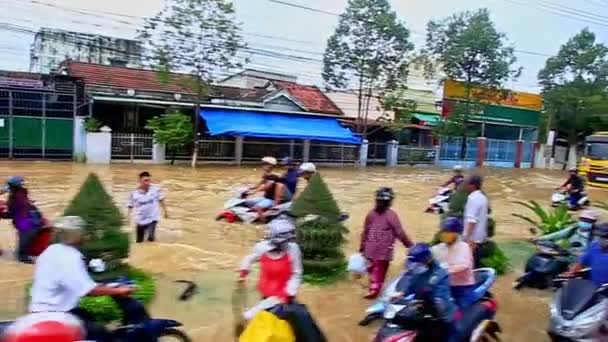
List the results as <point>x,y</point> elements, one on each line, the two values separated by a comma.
<point>385,194</point>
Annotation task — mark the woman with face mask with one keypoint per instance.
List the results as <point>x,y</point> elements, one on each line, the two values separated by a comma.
<point>456,256</point>
<point>579,236</point>
<point>280,262</point>
<point>381,228</point>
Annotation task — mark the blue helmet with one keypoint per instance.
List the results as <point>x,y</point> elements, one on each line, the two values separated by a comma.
<point>420,252</point>
<point>452,224</point>
<point>13,182</point>
<point>287,161</point>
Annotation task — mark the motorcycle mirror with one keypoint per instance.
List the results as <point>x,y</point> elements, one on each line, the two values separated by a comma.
<point>577,244</point>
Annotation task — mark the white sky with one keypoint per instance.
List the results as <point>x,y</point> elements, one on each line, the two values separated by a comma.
<point>528,23</point>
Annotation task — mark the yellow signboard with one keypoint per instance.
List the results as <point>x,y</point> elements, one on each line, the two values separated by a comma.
<point>457,90</point>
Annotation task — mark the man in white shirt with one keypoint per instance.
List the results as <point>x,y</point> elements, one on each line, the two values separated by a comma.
<point>476,216</point>
<point>61,278</point>
<point>146,200</point>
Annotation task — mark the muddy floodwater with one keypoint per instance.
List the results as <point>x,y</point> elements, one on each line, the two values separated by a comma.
<point>193,246</point>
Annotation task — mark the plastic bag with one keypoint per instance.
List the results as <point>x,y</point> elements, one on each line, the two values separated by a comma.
<point>266,327</point>
<point>357,264</point>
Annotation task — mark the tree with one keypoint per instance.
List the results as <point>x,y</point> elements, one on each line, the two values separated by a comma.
<point>195,36</point>
<point>466,47</point>
<point>369,51</point>
<point>320,239</point>
<point>575,83</point>
<point>173,129</point>
<point>104,238</point>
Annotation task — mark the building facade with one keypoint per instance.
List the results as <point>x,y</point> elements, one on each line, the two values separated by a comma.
<point>53,46</point>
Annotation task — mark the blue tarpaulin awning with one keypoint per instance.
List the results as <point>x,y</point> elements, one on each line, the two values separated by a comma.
<point>276,125</point>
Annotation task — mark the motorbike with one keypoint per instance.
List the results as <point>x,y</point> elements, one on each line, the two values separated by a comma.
<point>409,319</point>
<point>136,325</point>
<point>237,210</point>
<point>440,202</point>
<point>560,198</point>
<point>579,312</point>
<point>548,262</point>
<point>484,279</point>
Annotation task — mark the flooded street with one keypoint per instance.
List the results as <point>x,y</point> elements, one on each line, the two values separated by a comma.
<point>193,246</point>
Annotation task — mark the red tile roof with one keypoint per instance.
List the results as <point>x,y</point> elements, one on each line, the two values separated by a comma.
<point>310,96</point>
<point>147,80</point>
<point>127,78</point>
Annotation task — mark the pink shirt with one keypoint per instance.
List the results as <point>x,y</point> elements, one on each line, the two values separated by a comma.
<point>458,259</point>
<point>379,235</point>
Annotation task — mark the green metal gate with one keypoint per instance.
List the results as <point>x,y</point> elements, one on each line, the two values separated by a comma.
<point>36,124</point>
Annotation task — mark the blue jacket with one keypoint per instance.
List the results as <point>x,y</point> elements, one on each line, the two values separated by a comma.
<point>432,286</point>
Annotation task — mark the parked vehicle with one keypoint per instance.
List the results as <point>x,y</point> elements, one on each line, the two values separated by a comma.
<point>560,197</point>
<point>409,319</point>
<point>549,261</point>
<point>484,279</point>
<point>579,312</point>
<point>136,326</point>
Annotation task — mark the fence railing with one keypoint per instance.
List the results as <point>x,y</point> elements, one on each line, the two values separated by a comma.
<point>254,150</point>
<point>333,153</point>
<point>416,155</point>
<point>500,150</point>
<point>376,153</point>
<point>132,146</point>
<point>451,149</point>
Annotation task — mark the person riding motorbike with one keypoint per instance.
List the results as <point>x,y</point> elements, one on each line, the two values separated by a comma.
<point>430,282</point>
<point>274,191</point>
<point>595,258</point>
<point>456,256</point>
<point>579,236</point>
<point>307,170</point>
<point>575,185</point>
<point>61,278</point>
<point>456,179</point>
<point>280,262</point>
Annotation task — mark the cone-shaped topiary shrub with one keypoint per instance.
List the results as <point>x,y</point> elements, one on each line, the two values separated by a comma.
<point>104,238</point>
<point>320,239</point>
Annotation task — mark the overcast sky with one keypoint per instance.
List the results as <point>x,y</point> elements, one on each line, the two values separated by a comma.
<point>530,25</point>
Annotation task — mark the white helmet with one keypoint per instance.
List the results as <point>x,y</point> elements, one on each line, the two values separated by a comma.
<point>281,230</point>
<point>457,168</point>
<point>308,167</point>
<point>70,229</point>
<point>270,161</point>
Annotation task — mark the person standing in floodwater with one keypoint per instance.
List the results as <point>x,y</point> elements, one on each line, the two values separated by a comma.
<point>476,216</point>
<point>146,200</point>
<point>382,228</point>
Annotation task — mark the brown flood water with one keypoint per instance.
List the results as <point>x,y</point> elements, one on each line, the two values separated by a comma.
<point>194,246</point>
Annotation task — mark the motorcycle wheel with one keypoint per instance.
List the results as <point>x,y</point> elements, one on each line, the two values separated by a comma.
<point>173,335</point>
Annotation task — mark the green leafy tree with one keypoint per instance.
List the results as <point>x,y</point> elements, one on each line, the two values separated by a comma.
<point>369,51</point>
<point>320,239</point>
<point>575,83</point>
<point>173,129</point>
<point>200,37</point>
<point>466,47</point>
<point>104,238</point>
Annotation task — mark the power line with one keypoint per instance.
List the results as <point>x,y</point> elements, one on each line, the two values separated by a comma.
<point>563,14</point>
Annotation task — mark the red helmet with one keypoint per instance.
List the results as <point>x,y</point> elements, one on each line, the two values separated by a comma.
<point>45,327</point>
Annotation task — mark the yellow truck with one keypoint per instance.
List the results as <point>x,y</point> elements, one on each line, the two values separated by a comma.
<point>594,164</point>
